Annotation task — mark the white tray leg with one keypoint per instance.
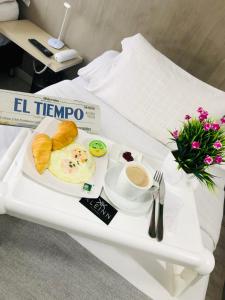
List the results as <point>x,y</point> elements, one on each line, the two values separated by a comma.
<point>182,278</point>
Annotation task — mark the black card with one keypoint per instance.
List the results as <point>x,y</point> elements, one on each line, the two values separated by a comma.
<point>101,208</point>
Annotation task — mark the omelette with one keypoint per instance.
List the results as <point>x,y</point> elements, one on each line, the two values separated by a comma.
<point>73,164</point>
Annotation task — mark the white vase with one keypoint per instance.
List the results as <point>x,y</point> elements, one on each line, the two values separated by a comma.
<point>175,176</point>
<point>192,181</point>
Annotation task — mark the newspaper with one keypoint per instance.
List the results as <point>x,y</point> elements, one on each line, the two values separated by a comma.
<point>27,110</point>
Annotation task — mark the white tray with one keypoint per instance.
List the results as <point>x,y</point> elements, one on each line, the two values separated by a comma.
<point>21,197</point>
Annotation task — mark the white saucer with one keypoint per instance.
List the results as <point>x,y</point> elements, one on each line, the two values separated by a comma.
<point>136,207</point>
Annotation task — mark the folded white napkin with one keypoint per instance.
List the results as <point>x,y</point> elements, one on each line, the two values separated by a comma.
<point>173,204</point>
<point>209,204</point>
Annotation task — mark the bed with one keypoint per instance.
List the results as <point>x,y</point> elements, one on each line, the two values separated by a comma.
<point>122,126</point>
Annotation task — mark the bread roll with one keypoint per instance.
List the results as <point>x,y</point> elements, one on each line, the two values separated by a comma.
<point>41,149</point>
<point>65,135</point>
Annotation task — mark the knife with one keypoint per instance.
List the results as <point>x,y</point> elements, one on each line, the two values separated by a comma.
<point>160,211</point>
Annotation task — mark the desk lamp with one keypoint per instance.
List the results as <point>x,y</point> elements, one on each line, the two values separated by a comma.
<point>57,43</point>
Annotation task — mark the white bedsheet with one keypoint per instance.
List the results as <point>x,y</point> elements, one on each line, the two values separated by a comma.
<point>113,125</point>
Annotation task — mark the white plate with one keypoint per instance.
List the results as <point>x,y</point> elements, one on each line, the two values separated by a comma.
<point>137,207</point>
<point>49,126</point>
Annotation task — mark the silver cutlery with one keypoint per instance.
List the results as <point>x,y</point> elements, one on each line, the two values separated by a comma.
<point>155,190</point>
<point>160,211</point>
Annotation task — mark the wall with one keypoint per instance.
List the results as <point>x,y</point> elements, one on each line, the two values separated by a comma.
<point>190,32</point>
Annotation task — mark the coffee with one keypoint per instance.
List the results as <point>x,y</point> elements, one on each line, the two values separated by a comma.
<point>137,176</point>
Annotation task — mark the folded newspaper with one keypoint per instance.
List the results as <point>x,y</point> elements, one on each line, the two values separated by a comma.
<point>27,110</point>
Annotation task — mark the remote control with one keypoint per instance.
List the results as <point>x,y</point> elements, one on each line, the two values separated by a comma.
<point>40,47</point>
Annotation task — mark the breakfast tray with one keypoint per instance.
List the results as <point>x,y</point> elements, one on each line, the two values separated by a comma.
<point>26,199</point>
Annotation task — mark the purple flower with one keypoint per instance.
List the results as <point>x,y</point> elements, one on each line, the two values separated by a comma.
<point>222,120</point>
<point>217,145</point>
<point>195,145</point>
<point>187,117</point>
<point>208,160</point>
<point>218,159</point>
<point>215,126</point>
<point>200,110</point>
<point>175,134</point>
<point>207,126</point>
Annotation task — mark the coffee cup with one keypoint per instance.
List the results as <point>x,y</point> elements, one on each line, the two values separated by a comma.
<point>134,180</point>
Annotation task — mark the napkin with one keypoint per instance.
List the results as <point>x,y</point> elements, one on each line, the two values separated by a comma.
<point>173,204</point>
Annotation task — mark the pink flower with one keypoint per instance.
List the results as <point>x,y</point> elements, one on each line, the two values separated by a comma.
<point>203,115</point>
<point>218,159</point>
<point>187,117</point>
<point>208,160</point>
<point>217,145</point>
<point>175,134</point>
<point>200,110</point>
<point>195,145</point>
<point>207,126</point>
<point>215,126</point>
<point>222,120</point>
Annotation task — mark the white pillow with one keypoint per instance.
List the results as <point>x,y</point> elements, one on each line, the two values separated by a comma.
<point>3,1</point>
<point>153,92</point>
<point>9,11</point>
<point>98,69</point>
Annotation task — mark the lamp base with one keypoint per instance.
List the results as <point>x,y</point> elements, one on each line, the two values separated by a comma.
<point>55,43</point>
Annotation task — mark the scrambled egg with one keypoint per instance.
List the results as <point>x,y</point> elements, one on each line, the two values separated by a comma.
<point>72,164</point>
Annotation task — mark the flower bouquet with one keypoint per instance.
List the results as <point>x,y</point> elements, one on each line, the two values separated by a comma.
<point>200,144</point>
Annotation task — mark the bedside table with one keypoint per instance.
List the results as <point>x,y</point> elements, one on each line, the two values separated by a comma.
<point>21,30</point>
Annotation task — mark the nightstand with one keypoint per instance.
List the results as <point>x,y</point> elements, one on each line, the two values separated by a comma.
<point>21,30</point>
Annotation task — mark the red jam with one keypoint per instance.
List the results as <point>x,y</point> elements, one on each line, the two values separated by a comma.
<point>128,156</point>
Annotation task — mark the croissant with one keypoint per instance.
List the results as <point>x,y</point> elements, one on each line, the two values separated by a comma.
<point>65,135</point>
<point>41,149</point>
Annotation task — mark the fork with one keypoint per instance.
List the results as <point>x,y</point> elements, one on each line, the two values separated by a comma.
<point>152,230</point>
